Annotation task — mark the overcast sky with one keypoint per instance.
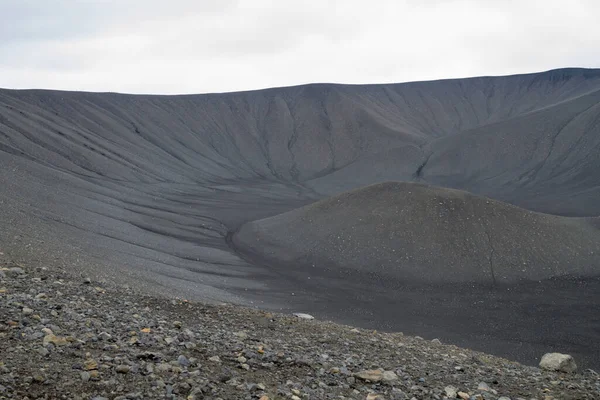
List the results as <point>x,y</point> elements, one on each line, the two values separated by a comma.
<point>199,46</point>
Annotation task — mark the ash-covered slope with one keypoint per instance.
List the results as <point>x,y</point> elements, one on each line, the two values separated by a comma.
<point>419,233</point>
<point>320,134</point>
<point>144,190</point>
<point>155,182</point>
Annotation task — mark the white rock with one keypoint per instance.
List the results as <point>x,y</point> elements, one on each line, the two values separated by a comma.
<point>451,392</point>
<point>484,387</point>
<point>558,362</point>
<point>303,316</point>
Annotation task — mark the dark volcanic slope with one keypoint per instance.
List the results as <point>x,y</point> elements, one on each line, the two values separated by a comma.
<point>419,233</point>
<point>144,189</point>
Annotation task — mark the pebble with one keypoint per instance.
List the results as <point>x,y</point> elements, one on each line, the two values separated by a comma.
<point>484,387</point>
<point>89,365</point>
<point>123,369</point>
<point>374,375</point>
<point>85,376</point>
<point>451,392</point>
<point>389,377</point>
<point>183,361</point>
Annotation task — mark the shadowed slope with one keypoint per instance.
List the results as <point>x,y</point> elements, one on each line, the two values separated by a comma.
<point>419,233</point>
<point>546,160</point>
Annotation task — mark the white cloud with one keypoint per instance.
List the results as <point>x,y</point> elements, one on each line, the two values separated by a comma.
<point>191,47</point>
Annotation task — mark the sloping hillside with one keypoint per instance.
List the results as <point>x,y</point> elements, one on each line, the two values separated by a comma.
<point>144,190</point>
<point>418,233</point>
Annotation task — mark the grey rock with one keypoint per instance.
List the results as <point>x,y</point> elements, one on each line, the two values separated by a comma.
<point>85,376</point>
<point>558,362</point>
<point>389,377</point>
<point>14,272</point>
<point>183,361</point>
<point>123,369</point>
<point>451,392</point>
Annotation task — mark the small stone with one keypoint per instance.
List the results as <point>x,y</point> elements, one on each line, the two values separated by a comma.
<point>264,398</point>
<point>294,397</point>
<point>303,316</point>
<point>246,367</point>
<point>14,272</point>
<point>558,362</point>
<point>374,375</point>
<point>241,335</point>
<point>436,341</point>
<point>374,396</point>
<point>183,361</point>
<point>463,395</point>
<point>89,365</point>
<point>42,351</point>
<point>503,398</point>
<point>177,324</point>
<point>451,392</point>
<point>389,377</point>
<point>483,387</point>
<point>123,369</point>
<point>85,376</point>
<point>41,296</point>
<point>27,311</point>
<point>56,340</point>
<point>169,340</point>
<point>87,281</point>
<point>215,359</point>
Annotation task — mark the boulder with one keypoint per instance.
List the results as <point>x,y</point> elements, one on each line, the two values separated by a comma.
<point>558,362</point>
<point>303,316</point>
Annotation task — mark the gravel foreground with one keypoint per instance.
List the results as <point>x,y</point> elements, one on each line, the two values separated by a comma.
<point>63,337</point>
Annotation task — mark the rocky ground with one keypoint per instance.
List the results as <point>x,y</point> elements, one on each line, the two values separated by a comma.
<point>64,337</point>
